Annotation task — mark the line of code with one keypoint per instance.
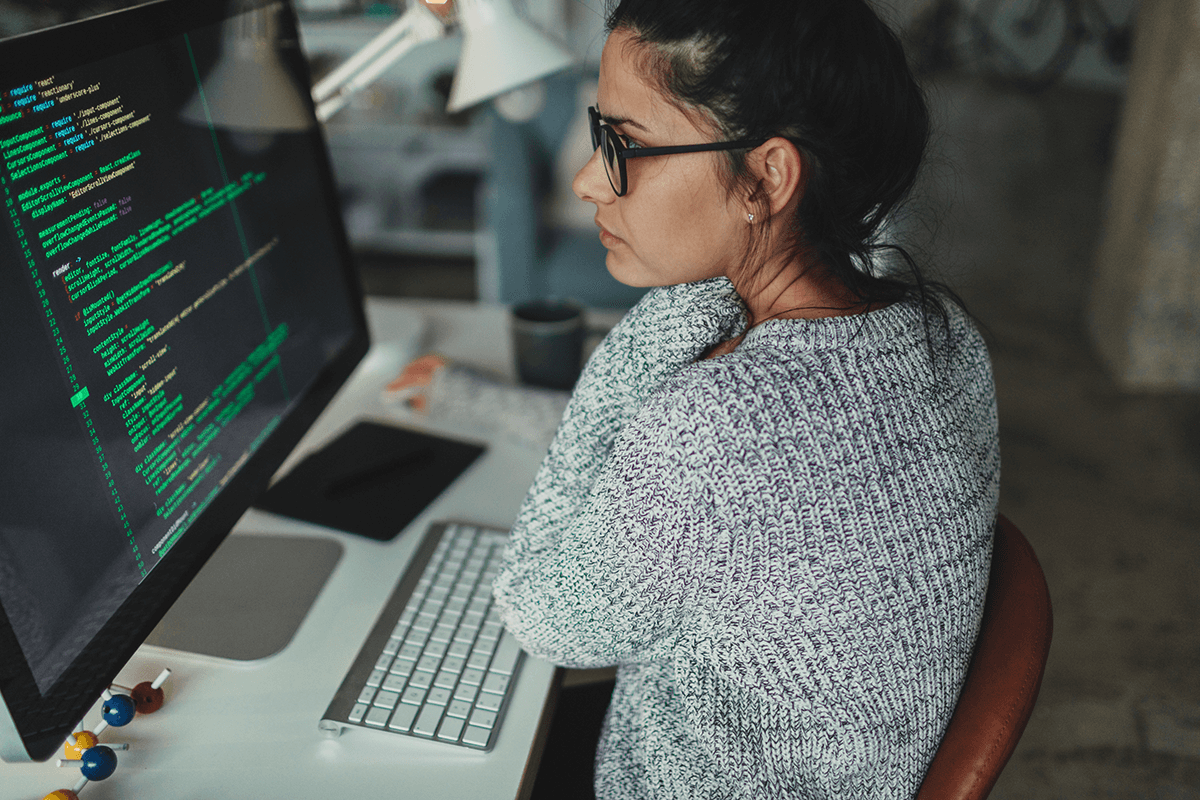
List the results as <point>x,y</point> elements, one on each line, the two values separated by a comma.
<point>103,259</point>
<point>18,150</point>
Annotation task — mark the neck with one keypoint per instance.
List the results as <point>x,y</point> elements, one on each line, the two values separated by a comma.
<point>794,290</point>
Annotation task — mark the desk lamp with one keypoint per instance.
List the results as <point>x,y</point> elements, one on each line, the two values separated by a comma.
<point>501,52</point>
<point>249,90</point>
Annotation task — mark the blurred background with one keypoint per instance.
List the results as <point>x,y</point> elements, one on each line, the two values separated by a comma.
<point>1061,201</point>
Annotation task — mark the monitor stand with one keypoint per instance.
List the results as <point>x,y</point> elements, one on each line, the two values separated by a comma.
<point>250,598</point>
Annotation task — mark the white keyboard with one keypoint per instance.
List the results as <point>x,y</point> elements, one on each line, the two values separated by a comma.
<point>438,664</point>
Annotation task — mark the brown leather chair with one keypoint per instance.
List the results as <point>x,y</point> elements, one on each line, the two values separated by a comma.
<point>1003,679</point>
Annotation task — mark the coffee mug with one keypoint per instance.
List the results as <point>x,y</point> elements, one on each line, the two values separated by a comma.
<point>547,338</point>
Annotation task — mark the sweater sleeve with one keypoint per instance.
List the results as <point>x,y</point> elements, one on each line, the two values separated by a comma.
<point>612,583</point>
<point>589,579</point>
<point>670,328</point>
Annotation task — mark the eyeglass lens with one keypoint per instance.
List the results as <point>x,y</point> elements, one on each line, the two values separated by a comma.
<point>605,140</point>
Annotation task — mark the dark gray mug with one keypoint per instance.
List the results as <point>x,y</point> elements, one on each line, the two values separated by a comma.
<point>547,337</point>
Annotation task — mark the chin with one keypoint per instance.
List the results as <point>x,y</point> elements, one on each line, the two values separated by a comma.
<point>625,273</point>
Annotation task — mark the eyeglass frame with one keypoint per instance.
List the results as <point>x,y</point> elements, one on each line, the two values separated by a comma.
<point>602,131</point>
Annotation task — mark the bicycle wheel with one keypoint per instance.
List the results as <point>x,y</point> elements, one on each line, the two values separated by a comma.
<point>1027,43</point>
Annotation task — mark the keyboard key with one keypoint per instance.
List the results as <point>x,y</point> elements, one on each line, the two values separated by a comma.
<point>445,679</point>
<point>421,680</point>
<point>458,708</point>
<point>402,667</point>
<point>484,719</point>
<point>435,649</point>
<point>489,702</point>
<point>453,664</point>
<point>505,659</point>
<point>395,683</point>
<point>411,651</point>
<point>494,683</point>
<point>466,693</point>
<point>428,663</point>
<point>403,718</point>
<point>476,736</point>
<point>386,699</point>
<point>359,711</point>
<point>366,695</point>
<point>427,722</point>
<point>459,649</point>
<point>479,660</point>
<point>378,717</point>
<point>438,696</point>
<point>480,605</point>
<point>383,662</point>
<point>393,645</point>
<point>472,677</point>
<point>451,729</point>
<point>413,696</point>
<point>376,677</point>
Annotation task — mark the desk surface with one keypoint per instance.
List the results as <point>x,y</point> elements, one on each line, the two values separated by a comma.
<point>232,729</point>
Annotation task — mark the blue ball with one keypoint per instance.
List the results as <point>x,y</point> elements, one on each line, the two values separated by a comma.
<point>118,710</point>
<point>98,763</point>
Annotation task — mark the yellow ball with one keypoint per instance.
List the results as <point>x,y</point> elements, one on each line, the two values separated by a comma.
<point>73,748</point>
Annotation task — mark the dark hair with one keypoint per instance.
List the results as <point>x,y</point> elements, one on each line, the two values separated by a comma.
<point>832,78</point>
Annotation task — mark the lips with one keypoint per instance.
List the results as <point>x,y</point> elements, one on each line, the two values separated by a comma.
<point>607,238</point>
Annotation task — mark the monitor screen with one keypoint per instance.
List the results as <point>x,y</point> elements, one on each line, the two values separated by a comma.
<point>177,304</point>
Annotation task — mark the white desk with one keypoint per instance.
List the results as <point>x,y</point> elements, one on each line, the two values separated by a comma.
<point>233,729</point>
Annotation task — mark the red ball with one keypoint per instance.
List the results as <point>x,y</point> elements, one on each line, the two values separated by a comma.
<point>146,699</point>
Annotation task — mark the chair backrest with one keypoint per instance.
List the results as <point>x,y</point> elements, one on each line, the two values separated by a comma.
<point>1004,677</point>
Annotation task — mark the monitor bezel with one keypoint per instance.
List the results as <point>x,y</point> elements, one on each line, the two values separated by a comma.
<point>40,722</point>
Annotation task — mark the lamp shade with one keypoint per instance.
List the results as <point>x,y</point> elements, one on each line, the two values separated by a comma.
<point>500,52</point>
<point>249,89</point>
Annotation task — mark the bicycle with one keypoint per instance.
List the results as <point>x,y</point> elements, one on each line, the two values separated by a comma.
<point>1026,43</point>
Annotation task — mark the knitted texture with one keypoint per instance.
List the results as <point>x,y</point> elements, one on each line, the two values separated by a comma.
<point>784,549</point>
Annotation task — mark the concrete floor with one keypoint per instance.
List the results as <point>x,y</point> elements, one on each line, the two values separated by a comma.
<point>1105,485</point>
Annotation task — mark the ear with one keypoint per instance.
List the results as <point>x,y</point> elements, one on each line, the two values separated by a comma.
<point>781,169</point>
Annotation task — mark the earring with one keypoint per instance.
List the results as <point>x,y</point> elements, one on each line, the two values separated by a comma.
<point>751,217</point>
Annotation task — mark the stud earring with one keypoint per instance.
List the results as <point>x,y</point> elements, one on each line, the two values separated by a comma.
<point>750,217</point>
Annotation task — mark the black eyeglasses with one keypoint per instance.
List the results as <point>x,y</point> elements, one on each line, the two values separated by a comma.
<point>614,150</point>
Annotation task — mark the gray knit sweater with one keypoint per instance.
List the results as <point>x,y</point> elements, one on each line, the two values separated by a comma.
<point>784,549</point>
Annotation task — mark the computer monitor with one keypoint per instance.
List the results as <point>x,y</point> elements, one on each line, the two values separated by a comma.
<point>177,304</point>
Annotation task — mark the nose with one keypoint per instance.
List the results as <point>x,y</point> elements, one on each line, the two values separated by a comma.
<point>591,182</point>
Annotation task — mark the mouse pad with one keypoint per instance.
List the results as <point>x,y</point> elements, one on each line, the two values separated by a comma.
<point>372,480</point>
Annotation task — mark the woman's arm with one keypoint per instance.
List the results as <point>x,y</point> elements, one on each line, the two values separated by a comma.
<point>596,570</point>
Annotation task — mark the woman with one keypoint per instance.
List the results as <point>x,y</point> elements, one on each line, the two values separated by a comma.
<point>770,499</point>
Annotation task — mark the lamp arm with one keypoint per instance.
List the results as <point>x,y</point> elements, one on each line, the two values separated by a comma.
<point>416,25</point>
